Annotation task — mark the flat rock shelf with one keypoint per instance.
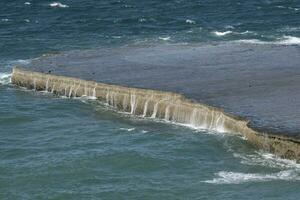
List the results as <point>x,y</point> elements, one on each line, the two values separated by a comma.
<point>247,89</point>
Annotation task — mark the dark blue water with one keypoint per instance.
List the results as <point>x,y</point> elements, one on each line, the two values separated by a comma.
<point>55,148</point>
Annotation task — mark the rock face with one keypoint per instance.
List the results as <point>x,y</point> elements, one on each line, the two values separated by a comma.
<point>157,104</point>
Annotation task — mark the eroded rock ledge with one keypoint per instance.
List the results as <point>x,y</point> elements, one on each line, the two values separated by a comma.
<point>157,104</point>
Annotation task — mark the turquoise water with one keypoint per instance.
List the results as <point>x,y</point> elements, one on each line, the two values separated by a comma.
<point>59,148</point>
<point>56,148</point>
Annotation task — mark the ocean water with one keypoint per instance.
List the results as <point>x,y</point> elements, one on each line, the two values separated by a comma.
<point>59,148</point>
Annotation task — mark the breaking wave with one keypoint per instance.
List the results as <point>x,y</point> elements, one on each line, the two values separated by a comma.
<point>189,21</point>
<point>217,33</point>
<point>58,4</point>
<point>127,129</point>
<point>289,170</point>
<point>267,160</point>
<point>5,78</point>
<point>285,40</point>
<point>164,38</point>
<point>225,177</point>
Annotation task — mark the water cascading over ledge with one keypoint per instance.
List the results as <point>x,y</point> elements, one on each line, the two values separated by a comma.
<point>157,104</point>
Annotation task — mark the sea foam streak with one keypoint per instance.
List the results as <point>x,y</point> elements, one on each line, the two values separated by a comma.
<point>267,160</point>
<point>164,38</point>
<point>217,33</point>
<point>5,78</point>
<point>289,40</point>
<point>189,21</point>
<point>58,4</point>
<point>225,177</point>
<point>289,170</point>
<point>285,40</point>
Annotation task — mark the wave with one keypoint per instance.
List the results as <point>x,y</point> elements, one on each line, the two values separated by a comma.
<point>5,78</point>
<point>288,40</point>
<point>58,4</point>
<point>285,40</point>
<point>290,8</point>
<point>267,160</point>
<point>289,170</point>
<point>127,129</point>
<point>164,38</point>
<point>225,177</point>
<point>189,21</point>
<point>27,3</point>
<point>217,33</point>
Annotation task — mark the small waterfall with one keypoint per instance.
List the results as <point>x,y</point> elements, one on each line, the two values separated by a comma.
<point>70,92</point>
<point>220,123</point>
<point>47,85</point>
<point>107,97</point>
<point>113,98</point>
<point>145,108</point>
<point>155,110</point>
<point>193,118</point>
<point>211,121</point>
<point>85,90</point>
<point>204,122</point>
<point>125,102</point>
<point>133,103</point>
<point>75,92</point>
<point>94,93</point>
<point>167,113</point>
<point>65,91</point>
<point>52,89</point>
<point>34,84</point>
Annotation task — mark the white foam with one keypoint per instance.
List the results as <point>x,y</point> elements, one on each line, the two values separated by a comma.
<point>5,20</point>
<point>127,129</point>
<point>26,20</point>
<point>290,8</point>
<point>5,78</point>
<point>217,33</point>
<point>289,40</point>
<point>285,40</point>
<point>189,21</point>
<point>85,97</point>
<point>225,177</point>
<point>164,38</point>
<point>58,4</point>
<point>267,160</point>
<point>20,61</point>
<point>27,3</point>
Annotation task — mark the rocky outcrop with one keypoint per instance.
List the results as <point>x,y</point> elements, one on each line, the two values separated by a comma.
<point>157,104</point>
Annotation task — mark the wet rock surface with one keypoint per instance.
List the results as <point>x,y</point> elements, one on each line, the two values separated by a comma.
<point>258,82</point>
